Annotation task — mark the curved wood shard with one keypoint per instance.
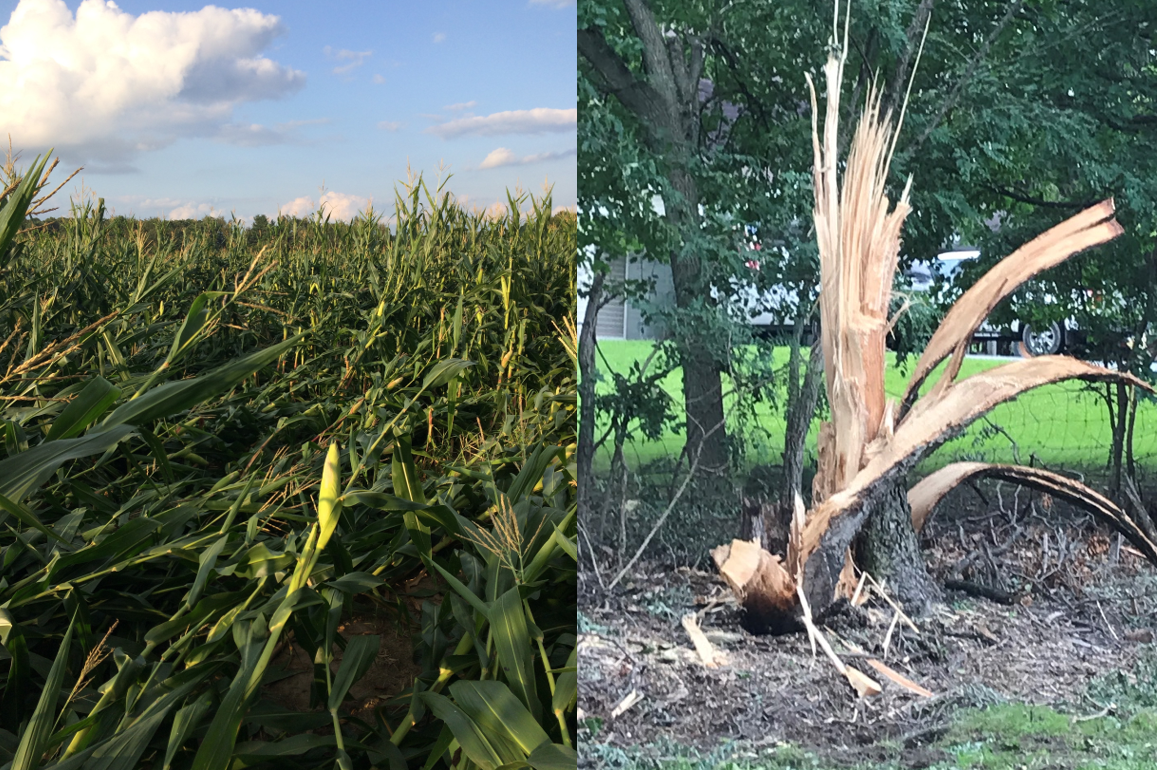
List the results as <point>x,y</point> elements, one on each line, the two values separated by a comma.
<point>1093,226</point>
<point>833,524</point>
<point>924,497</point>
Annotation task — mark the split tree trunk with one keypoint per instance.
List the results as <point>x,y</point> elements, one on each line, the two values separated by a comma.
<point>869,445</point>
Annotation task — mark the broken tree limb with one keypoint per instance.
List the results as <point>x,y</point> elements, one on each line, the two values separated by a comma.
<point>762,586</point>
<point>835,522</point>
<point>931,490</point>
<point>1091,227</point>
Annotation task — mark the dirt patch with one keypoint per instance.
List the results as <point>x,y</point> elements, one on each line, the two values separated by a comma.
<point>392,671</point>
<point>1083,606</point>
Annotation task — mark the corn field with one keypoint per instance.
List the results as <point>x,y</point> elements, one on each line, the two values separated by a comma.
<point>306,498</point>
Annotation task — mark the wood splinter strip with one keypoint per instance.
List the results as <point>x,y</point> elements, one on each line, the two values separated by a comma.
<point>702,644</point>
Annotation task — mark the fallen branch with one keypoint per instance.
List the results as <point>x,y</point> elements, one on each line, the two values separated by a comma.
<point>984,592</point>
<point>931,490</point>
<point>629,700</point>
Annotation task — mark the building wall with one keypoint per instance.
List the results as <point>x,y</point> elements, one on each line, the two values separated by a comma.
<point>621,319</point>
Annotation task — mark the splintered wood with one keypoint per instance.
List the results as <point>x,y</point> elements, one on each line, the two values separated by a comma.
<point>707,654</point>
<point>898,678</point>
<point>629,700</point>
<point>870,444</point>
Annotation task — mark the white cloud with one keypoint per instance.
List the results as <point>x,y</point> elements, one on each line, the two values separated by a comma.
<point>257,135</point>
<point>106,85</point>
<point>504,157</point>
<point>499,157</point>
<point>252,135</point>
<point>553,3</point>
<point>540,120</point>
<point>379,79</point>
<point>339,206</point>
<point>344,207</point>
<point>298,207</point>
<point>459,106</point>
<point>439,37</point>
<point>389,125</point>
<point>192,211</point>
<point>355,59</point>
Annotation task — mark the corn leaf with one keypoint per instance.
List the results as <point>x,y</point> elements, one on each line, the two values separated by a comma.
<point>356,660</point>
<point>33,741</point>
<point>93,401</point>
<point>513,644</point>
<point>175,397</point>
<point>552,756</point>
<point>495,709</point>
<point>468,734</point>
<point>12,215</point>
<point>21,474</point>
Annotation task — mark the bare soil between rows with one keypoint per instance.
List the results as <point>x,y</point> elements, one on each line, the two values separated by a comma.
<point>1085,606</point>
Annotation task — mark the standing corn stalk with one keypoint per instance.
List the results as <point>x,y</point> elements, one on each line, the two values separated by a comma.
<point>870,444</point>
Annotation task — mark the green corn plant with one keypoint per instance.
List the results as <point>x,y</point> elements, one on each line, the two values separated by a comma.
<point>200,475</point>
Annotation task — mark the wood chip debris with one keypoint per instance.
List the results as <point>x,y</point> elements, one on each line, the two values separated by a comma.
<point>629,700</point>
<point>899,678</point>
<point>707,654</point>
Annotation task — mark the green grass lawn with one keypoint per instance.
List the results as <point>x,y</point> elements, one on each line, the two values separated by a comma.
<point>1062,425</point>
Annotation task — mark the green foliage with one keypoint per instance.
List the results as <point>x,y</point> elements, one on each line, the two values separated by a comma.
<point>218,444</point>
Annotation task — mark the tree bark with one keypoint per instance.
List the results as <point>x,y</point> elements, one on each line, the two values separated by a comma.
<point>890,551</point>
<point>588,340</point>
<point>801,408</point>
<point>1116,452</point>
<point>702,385</point>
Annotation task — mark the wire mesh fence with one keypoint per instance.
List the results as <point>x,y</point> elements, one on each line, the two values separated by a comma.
<point>1068,427</point>
<point>1089,431</point>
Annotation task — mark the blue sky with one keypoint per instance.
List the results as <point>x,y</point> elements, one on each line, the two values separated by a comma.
<point>179,109</point>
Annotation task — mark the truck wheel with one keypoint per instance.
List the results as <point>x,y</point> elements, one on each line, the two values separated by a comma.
<point>1043,342</point>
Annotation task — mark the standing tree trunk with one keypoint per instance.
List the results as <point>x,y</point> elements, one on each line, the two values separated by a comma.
<point>666,103</point>
<point>1117,392</point>
<point>802,399</point>
<point>588,340</point>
